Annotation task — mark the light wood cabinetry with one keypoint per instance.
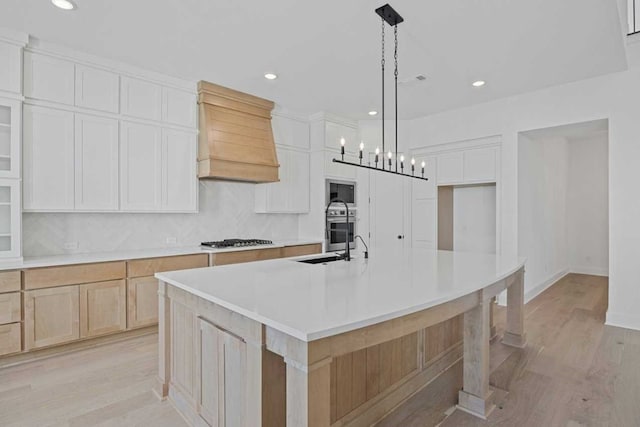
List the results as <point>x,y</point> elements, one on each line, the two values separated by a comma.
<point>289,251</point>
<point>151,266</point>
<point>9,281</point>
<point>48,158</point>
<point>10,308</point>
<point>142,301</point>
<point>236,257</point>
<point>10,339</point>
<point>96,163</point>
<point>52,316</point>
<point>48,277</point>
<point>103,308</point>
<point>222,376</point>
<point>96,89</point>
<point>48,78</point>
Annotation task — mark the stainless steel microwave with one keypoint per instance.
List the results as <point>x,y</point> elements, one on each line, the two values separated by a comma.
<point>343,190</point>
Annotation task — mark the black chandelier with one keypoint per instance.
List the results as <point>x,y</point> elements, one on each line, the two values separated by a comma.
<point>390,16</point>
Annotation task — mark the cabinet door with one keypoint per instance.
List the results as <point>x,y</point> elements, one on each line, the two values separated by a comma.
<point>140,167</point>
<point>48,159</point>
<point>222,376</point>
<point>48,78</point>
<point>10,308</point>
<point>450,167</point>
<point>139,98</point>
<point>102,308</point>
<point>96,163</point>
<point>96,89</point>
<point>142,301</point>
<point>480,165</point>
<point>299,178</point>
<point>179,175</point>
<point>10,219</point>
<point>51,316</point>
<point>178,107</point>
<point>10,137</point>
<point>10,67</point>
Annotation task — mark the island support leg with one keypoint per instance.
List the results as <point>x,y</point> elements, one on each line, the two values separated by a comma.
<point>308,394</point>
<point>514,335</point>
<point>164,344</point>
<point>476,397</point>
<point>493,332</point>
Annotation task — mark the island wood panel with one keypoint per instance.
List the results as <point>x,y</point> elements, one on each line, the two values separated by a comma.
<point>10,308</point>
<point>441,337</point>
<point>362,375</point>
<point>289,251</point>
<point>102,308</point>
<point>47,277</point>
<point>236,257</point>
<point>10,338</point>
<point>151,266</point>
<point>9,281</point>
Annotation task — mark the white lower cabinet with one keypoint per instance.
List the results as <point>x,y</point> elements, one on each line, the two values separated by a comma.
<point>291,193</point>
<point>48,159</point>
<point>222,376</point>
<point>140,167</point>
<point>96,163</point>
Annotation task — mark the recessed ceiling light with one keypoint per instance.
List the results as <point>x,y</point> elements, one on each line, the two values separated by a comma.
<point>479,83</point>
<point>373,113</point>
<point>64,4</point>
<point>270,76</point>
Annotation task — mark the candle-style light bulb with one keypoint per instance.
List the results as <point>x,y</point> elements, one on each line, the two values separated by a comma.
<point>402,163</point>
<point>377,153</point>
<point>361,148</point>
<point>413,165</point>
<point>423,165</point>
<point>342,142</point>
<point>390,155</point>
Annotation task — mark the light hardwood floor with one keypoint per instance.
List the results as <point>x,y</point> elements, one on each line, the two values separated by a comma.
<point>574,372</point>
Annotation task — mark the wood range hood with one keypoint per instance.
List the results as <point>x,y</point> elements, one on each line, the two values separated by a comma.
<point>236,139</point>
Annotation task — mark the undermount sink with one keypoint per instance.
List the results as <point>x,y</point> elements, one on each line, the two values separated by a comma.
<point>321,260</point>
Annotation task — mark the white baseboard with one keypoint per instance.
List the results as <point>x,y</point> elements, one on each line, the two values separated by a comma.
<point>593,271</point>
<point>623,321</point>
<point>544,285</point>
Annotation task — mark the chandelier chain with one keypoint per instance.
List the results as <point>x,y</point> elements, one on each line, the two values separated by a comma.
<point>395,53</point>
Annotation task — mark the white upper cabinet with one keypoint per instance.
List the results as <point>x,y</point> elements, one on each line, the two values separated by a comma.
<point>480,165</point>
<point>96,163</point>
<point>291,193</point>
<point>10,135</point>
<point>10,219</point>
<point>335,131</point>
<point>450,168</point>
<point>179,176</point>
<point>290,132</point>
<point>140,167</point>
<point>178,107</point>
<point>140,99</point>
<point>48,78</point>
<point>10,67</point>
<point>48,159</point>
<point>97,89</point>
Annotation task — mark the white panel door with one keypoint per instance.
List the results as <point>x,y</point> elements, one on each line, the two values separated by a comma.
<point>96,163</point>
<point>140,99</point>
<point>48,159</point>
<point>480,165</point>
<point>10,67</point>
<point>387,210</point>
<point>179,107</point>
<point>140,167</point>
<point>97,89</point>
<point>179,177</point>
<point>48,78</point>
<point>450,167</point>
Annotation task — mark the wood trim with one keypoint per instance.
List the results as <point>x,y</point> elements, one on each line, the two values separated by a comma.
<point>290,251</point>
<point>236,257</point>
<point>47,277</point>
<point>151,266</point>
<point>209,92</point>
<point>10,308</point>
<point>10,281</point>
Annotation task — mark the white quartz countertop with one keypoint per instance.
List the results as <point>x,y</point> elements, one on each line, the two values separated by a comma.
<point>84,258</point>
<point>310,301</point>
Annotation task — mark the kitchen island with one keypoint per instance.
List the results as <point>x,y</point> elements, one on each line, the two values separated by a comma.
<point>281,342</point>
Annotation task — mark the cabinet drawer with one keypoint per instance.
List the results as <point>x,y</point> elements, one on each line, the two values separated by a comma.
<point>10,339</point>
<point>10,308</point>
<point>48,277</point>
<point>151,266</point>
<point>9,281</point>
<point>246,256</point>
<point>142,302</point>
<point>289,251</point>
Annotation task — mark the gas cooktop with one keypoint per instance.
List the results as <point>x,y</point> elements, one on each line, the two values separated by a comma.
<point>236,243</point>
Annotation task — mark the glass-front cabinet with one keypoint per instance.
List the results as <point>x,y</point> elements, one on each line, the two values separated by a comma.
<point>10,219</point>
<point>10,129</point>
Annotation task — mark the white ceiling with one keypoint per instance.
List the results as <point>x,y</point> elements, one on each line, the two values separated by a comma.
<point>327,52</point>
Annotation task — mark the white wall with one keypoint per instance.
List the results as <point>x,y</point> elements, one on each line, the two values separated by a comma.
<point>474,218</point>
<point>226,211</point>
<point>543,170</point>
<point>587,205</point>
<point>614,97</point>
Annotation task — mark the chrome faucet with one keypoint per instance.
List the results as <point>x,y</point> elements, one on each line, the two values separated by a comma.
<point>347,251</point>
